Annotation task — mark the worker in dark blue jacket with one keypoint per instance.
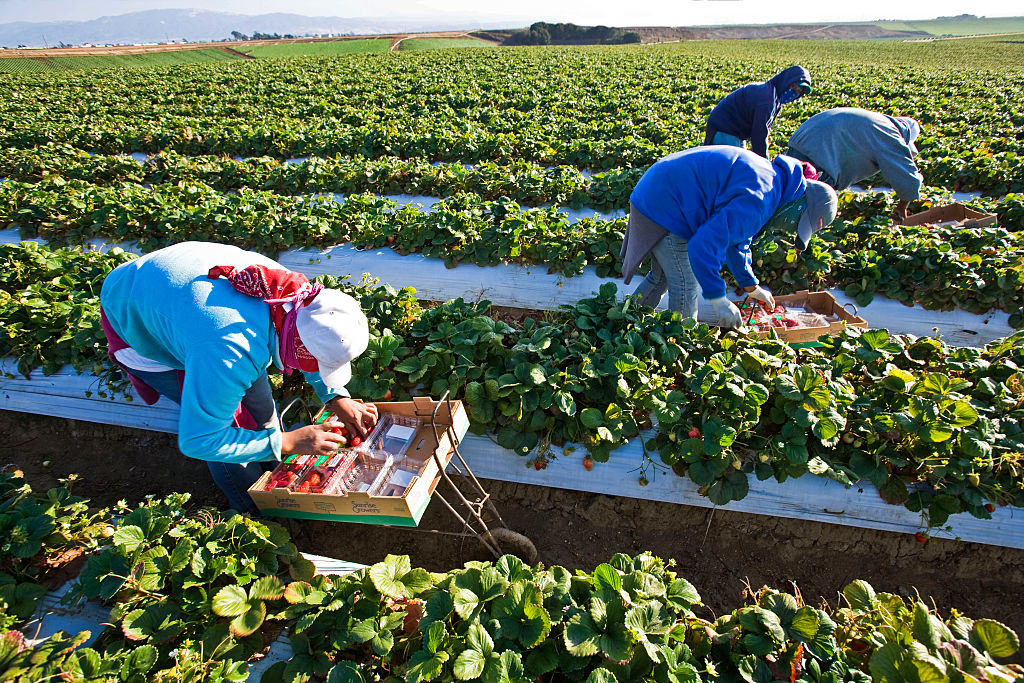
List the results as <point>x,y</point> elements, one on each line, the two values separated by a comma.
<point>698,210</point>
<point>747,113</point>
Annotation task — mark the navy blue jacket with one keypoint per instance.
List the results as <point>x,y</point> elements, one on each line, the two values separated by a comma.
<point>749,111</point>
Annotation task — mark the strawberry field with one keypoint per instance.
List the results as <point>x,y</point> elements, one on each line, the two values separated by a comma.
<point>291,154</point>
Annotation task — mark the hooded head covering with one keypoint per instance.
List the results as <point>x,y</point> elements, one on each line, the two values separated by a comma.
<point>794,75</point>
<point>909,128</point>
<point>822,205</point>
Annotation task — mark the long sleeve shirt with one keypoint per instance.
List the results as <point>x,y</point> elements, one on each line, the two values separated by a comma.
<point>717,198</point>
<point>167,310</point>
<point>749,111</point>
<point>850,145</point>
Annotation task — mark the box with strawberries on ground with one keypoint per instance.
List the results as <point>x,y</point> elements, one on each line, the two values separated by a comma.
<point>386,478</point>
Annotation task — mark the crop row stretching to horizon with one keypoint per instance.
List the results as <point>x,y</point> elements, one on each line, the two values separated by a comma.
<point>584,107</point>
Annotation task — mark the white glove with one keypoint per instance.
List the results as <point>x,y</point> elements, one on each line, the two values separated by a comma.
<point>728,315</point>
<point>763,295</point>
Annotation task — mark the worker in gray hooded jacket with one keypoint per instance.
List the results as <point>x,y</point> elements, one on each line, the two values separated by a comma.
<point>847,145</point>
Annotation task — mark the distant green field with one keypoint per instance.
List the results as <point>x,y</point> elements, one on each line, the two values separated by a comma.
<point>959,27</point>
<point>435,43</point>
<point>21,65</point>
<point>329,47</point>
<point>968,54</point>
<point>169,58</point>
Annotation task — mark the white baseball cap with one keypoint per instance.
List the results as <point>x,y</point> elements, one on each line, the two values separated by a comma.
<point>334,329</point>
<point>822,206</point>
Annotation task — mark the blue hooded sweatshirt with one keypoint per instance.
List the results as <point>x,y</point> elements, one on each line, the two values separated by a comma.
<point>749,111</point>
<point>717,198</point>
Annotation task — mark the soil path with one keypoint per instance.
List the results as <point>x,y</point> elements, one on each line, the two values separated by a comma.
<point>720,552</point>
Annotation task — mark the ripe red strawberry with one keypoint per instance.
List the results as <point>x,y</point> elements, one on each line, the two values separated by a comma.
<point>694,433</point>
<point>391,239</point>
<point>536,465</point>
<point>990,507</point>
<point>356,441</point>
<point>588,463</point>
<point>314,479</point>
<point>921,537</point>
<point>387,396</point>
<point>858,645</point>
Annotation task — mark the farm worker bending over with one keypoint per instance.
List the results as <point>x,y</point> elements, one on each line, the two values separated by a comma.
<point>200,323</point>
<point>699,209</point>
<point>748,112</point>
<point>847,145</point>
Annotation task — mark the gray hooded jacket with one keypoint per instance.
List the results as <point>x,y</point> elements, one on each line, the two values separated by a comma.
<point>848,145</point>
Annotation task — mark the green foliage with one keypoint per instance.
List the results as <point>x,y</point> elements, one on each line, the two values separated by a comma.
<point>190,595</point>
<point>638,104</point>
<point>40,532</point>
<point>15,65</point>
<point>934,427</point>
<point>177,581</point>
<point>891,639</point>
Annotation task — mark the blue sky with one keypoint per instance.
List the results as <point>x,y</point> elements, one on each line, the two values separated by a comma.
<point>617,13</point>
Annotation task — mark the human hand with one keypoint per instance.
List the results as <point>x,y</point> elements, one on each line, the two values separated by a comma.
<point>899,214</point>
<point>310,440</point>
<point>728,315</point>
<point>357,417</point>
<point>759,293</point>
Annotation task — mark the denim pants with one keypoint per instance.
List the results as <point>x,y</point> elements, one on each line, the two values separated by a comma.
<point>671,272</point>
<point>234,479</point>
<point>717,137</point>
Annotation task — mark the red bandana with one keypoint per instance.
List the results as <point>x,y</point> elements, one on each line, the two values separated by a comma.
<point>277,288</point>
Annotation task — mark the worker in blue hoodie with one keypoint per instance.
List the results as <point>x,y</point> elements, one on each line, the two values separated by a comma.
<point>748,113</point>
<point>848,144</point>
<point>698,210</point>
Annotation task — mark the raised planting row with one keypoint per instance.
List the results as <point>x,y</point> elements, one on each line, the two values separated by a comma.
<point>941,268</point>
<point>584,107</point>
<point>524,182</point>
<point>935,428</point>
<point>193,596</point>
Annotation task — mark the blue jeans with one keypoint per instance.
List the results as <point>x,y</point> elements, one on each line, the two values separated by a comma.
<point>671,272</point>
<point>234,479</point>
<point>726,139</point>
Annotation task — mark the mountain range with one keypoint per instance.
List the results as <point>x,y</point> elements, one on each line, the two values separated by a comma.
<point>194,25</point>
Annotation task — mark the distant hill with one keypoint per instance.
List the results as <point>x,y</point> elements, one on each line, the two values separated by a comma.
<point>161,26</point>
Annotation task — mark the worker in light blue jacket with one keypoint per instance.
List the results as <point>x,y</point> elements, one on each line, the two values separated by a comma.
<point>748,112</point>
<point>201,323</point>
<point>698,210</point>
<point>848,145</point>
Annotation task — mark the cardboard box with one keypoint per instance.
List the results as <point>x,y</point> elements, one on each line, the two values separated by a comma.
<point>952,212</point>
<point>405,509</point>
<point>818,302</point>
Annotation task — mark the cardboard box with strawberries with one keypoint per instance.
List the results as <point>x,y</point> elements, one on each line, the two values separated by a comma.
<point>801,318</point>
<point>387,480</point>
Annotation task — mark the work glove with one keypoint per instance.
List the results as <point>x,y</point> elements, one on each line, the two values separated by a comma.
<point>728,315</point>
<point>764,296</point>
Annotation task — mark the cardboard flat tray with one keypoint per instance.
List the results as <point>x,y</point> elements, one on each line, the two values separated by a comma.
<point>404,510</point>
<point>819,302</point>
<point>952,212</point>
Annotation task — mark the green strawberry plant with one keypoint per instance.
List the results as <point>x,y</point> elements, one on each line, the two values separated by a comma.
<point>177,581</point>
<point>884,635</point>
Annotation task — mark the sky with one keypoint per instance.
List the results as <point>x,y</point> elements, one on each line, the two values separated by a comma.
<point>521,12</point>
